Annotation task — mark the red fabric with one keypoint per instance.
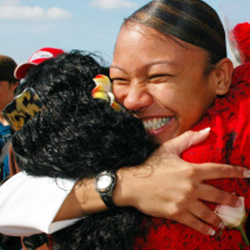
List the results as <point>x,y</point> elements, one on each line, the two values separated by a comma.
<point>229,142</point>
<point>241,35</point>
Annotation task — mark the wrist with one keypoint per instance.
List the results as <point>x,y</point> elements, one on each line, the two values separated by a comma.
<point>124,194</point>
<point>83,200</point>
<point>87,197</point>
<point>105,183</point>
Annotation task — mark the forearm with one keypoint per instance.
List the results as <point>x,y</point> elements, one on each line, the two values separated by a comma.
<point>29,204</point>
<point>83,200</point>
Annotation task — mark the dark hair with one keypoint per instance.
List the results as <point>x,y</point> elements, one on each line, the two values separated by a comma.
<point>192,21</point>
<point>77,137</point>
<point>7,68</point>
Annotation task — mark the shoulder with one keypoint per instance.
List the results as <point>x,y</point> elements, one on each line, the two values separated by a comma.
<point>241,74</point>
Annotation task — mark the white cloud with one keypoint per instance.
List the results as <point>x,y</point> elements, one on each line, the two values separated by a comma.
<point>11,10</point>
<point>112,4</point>
<point>9,2</point>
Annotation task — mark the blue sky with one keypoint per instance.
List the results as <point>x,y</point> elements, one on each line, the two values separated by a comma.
<point>28,25</point>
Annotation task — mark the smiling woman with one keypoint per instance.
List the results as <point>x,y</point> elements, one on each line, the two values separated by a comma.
<point>160,85</point>
<point>177,77</point>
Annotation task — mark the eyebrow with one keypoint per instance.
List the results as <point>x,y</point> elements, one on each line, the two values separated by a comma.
<point>162,62</point>
<point>116,67</point>
<point>149,65</point>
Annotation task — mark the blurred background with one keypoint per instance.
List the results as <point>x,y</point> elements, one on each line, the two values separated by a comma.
<point>28,25</point>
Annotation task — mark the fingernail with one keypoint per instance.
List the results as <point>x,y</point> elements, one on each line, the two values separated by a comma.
<point>211,232</point>
<point>246,173</point>
<point>221,226</point>
<point>205,130</point>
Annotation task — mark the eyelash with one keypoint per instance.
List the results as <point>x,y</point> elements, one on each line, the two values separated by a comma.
<point>122,81</point>
<point>158,76</point>
<point>119,81</point>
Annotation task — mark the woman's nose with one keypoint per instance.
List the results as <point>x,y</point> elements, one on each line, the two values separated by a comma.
<point>138,97</point>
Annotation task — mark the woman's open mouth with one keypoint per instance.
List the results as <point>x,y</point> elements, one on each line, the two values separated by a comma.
<point>156,123</point>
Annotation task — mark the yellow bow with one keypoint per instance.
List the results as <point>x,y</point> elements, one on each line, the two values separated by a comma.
<point>103,90</point>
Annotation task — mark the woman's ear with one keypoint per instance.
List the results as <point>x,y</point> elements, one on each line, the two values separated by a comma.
<point>224,71</point>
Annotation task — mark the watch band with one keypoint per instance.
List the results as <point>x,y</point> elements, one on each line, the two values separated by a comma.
<point>108,200</point>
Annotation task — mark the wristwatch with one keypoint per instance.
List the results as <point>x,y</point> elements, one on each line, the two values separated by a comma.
<point>104,184</point>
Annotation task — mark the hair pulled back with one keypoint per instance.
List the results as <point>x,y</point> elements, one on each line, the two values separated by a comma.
<point>192,21</point>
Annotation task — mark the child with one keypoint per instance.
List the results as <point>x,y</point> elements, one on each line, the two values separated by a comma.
<point>77,136</point>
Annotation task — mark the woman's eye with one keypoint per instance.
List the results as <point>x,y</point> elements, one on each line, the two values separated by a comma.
<point>119,81</point>
<point>159,77</point>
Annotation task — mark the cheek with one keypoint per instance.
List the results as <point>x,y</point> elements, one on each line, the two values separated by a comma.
<point>187,96</point>
<point>185,104</point>
<point>190,110</point>
<point>3,95</point>
<point>167,96</point>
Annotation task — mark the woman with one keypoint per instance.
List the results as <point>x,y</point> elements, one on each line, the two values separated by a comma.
<point>170,88</point>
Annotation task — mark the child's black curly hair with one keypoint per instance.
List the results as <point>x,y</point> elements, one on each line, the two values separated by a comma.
<point>78,137</point>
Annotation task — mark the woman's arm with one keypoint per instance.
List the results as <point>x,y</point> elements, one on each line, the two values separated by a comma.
<point>164,186</point>
<point>29,204</point>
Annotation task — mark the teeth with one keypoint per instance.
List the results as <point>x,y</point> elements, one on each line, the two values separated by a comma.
<point>156,123</point>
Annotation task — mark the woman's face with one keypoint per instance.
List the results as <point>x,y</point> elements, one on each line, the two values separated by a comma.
<point>161,80</point>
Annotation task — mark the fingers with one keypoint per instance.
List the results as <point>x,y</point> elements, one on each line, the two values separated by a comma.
<point>191,221</point>
<point>204,213</point>
<point>209,171</point>
<point>189,138</point>
<point>212,194</point>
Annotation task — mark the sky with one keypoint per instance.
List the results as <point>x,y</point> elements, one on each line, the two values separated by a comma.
<point>93,25</point>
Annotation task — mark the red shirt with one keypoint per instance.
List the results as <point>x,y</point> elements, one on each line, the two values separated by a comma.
<point>229,142</point>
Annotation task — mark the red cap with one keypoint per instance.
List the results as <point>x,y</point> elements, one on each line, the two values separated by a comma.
<point>37,58</point>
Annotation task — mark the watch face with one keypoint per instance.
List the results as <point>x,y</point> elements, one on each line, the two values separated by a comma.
<point>104,182</point>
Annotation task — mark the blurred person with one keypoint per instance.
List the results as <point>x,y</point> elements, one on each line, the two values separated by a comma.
<point>239,39</point>
<point>35,59</point>
<point>8,85</point>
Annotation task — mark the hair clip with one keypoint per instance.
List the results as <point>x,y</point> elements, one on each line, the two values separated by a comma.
<point>26,105</point>
<point>23,108</point>
<point>103,90</point>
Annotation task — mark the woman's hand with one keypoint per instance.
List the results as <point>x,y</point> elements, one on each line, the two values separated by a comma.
<point>168,187</point>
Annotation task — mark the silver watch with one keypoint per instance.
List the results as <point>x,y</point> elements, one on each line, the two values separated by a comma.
<point>104,184</point>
